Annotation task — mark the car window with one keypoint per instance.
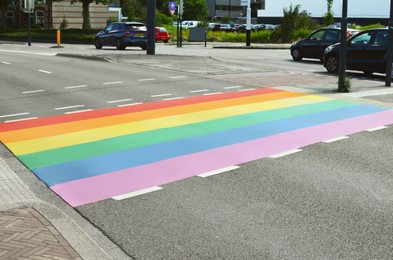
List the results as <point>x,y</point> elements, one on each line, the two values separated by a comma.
<point>381,38</point>
<point>317,36</point>
<point>162,30</point>
<point>362,39</point>
<point>115,26</point>
<point>109,27</point>
<point>133,27</point>
<point>332,35</point>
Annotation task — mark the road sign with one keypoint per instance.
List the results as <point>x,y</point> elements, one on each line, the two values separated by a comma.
<point>27,6</point>
<point>172,12</point>
<point>172,6</point>
<point>244,2</point>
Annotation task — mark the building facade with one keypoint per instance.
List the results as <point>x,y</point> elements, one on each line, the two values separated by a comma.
<point>218,9</point>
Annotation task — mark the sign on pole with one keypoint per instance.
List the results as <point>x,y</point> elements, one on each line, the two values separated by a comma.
<point>27,6</point>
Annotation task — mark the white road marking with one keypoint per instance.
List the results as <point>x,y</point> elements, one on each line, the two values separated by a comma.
<point>150,79</point>
<point>69,107</point>
<point>22,119</point>
<point>6,63</point>
<point>33,91</point>
<point>12,115</point>
<point>199,90</point>
<point>247,89</point>
<point>137,193</point>
<point>173,98</point>
<point>78,111</point>
<point>275,156</point>
<point>177,77</point>
<point>376,128</point>
<point>214,93</point>
<point>162,95</point>
<point>232,87</point>
<point>376,92</point>
<point>113,82</point>
<point>80,86</point>
<point>335,139</point>
<point>118,101</point>
<point>226,169</point>
<point>45,71</point>
<point>132,104</point>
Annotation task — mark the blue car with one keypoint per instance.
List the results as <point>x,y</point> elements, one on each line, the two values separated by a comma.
<point>121,35</point>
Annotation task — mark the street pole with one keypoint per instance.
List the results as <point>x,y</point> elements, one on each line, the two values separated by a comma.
<point>343,49</point>
<point>151,27</point>
<point>389,57</point>
<point>248,26</point>
<point>29,27</point>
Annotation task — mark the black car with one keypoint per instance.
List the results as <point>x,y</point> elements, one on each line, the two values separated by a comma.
<point>366,52</point>
<point>315,44</point>
<point>121,35</point>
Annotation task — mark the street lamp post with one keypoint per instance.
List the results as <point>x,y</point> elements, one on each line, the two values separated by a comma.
<point>343,49</point>
<point>389,58</point>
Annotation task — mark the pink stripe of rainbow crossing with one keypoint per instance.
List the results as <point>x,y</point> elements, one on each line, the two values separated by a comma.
<point>93,189</point>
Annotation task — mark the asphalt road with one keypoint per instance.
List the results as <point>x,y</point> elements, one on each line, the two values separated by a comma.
<point>327,201</point>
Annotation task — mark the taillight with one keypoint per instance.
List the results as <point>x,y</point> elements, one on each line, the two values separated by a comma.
<point>128,33</point>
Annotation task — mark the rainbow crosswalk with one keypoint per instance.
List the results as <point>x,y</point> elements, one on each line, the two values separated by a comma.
<point>95,155</point>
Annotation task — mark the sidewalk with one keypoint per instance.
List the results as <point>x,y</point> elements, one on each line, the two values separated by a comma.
<point>33,228</point>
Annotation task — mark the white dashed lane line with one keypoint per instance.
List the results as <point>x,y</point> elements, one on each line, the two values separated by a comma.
<point>45,71</point>
<point>173,98</point>
<point>233,87</point>
<point>376,128</point>
<point>78,111</point>
<point>335,139</point>
<point>22,119</point>
<point>177,77</point>
<point>136,193</point>
<point>33,91</point>
<point>5,63</point>
<point>247,89</point>
<point>161,95</point>
<point>214,93</point>
<point>118,101</point>
<point>199,90</point>
<point>113,82</point>
<point>14,115</point>
<point>150,79</point>
<point>69,107</point>
<point>79,86</point>
<point>226,169</point>
<point>131,104</point>
<point>285,153</point>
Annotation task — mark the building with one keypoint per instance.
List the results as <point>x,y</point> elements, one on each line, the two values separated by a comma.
<point>219,9</point>
<point>359,11</point>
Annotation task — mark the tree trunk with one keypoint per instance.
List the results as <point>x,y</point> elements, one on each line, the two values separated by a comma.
<point>86,14</point>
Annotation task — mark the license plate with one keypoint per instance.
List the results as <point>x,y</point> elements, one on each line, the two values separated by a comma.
<point>139,34</point>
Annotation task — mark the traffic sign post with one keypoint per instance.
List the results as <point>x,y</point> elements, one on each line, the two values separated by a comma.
<point>172,10</point>
<point>27,6</point>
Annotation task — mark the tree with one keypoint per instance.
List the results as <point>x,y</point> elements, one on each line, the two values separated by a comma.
<point>329,15</point>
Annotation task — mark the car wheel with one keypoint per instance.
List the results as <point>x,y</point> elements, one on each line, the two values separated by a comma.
<point>97,43</point>
<point>368,73</point>
<point>119,44</point>
<point>297,55</point>
<point>332,64</point>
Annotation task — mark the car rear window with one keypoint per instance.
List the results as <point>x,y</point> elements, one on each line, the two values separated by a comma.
<point>133,27</point>
<point>162,30</point>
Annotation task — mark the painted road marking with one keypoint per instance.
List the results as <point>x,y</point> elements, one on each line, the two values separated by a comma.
<point>118,101</point>
<point>149,79</point>
<point>69,107</point>
<point>161,95</point>
<point>136,193</point>
<point>156,143</point>
<point>335,139</point>
<point>18,120</point>
<point>12,115</point>
<point>45,71</point>
<point>177,77</point>
<point>174,98</point>
<point>127,105</point>
<point>247,89</point>
<point>233,87</point>
<point>211,173</point>
<point>213,93</point>
<point>78,111</point>
<point>6,63</point>
<point>199,90</point>
<point>376,128</point>
<point>278,155</point>
<point>79,86</point>
<point>33,91</point>
<point>113,82</point>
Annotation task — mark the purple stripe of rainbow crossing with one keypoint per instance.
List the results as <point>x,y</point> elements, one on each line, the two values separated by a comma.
<point>93,189</point>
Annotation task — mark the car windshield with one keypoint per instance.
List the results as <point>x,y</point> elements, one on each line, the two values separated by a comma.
<point>134,27</point>
<point>361,39</point>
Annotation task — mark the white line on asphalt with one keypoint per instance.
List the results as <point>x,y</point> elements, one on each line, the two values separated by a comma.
<point>6,63</point>
<point>177,77</point>
<point>275,156</point>
<point>113,82</point>
<point>33,91</point>
<point>232,87</point>
<point>377,92</point>
<point>69,107</point>
<point>78,111</point>
<point>45,71</point>
<point>376,128</point>
<point>226,169</point>
<point>247,89</point>
<point>335,139</point>
<point>199,90</point>
<point>132,104</point>
<point>118,101</point>
<point>12,115</point>
<point>214,93</point>
<point>80,86</point>
<point>150,79</point>
<point>22,119</point>
<point>162,95</point>
<point>137,193</point>
<point>173,98</point>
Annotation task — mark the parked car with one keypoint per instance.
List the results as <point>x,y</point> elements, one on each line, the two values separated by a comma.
<point>189,24</point>
<point>315,44</point>
<point>225,27</point>
<point>366,52</point>
<point>121,35</point>
<point>162,34</point>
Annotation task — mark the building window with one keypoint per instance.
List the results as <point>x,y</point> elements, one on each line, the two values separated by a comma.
<point>39,18</point>
<point>10,18</point>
